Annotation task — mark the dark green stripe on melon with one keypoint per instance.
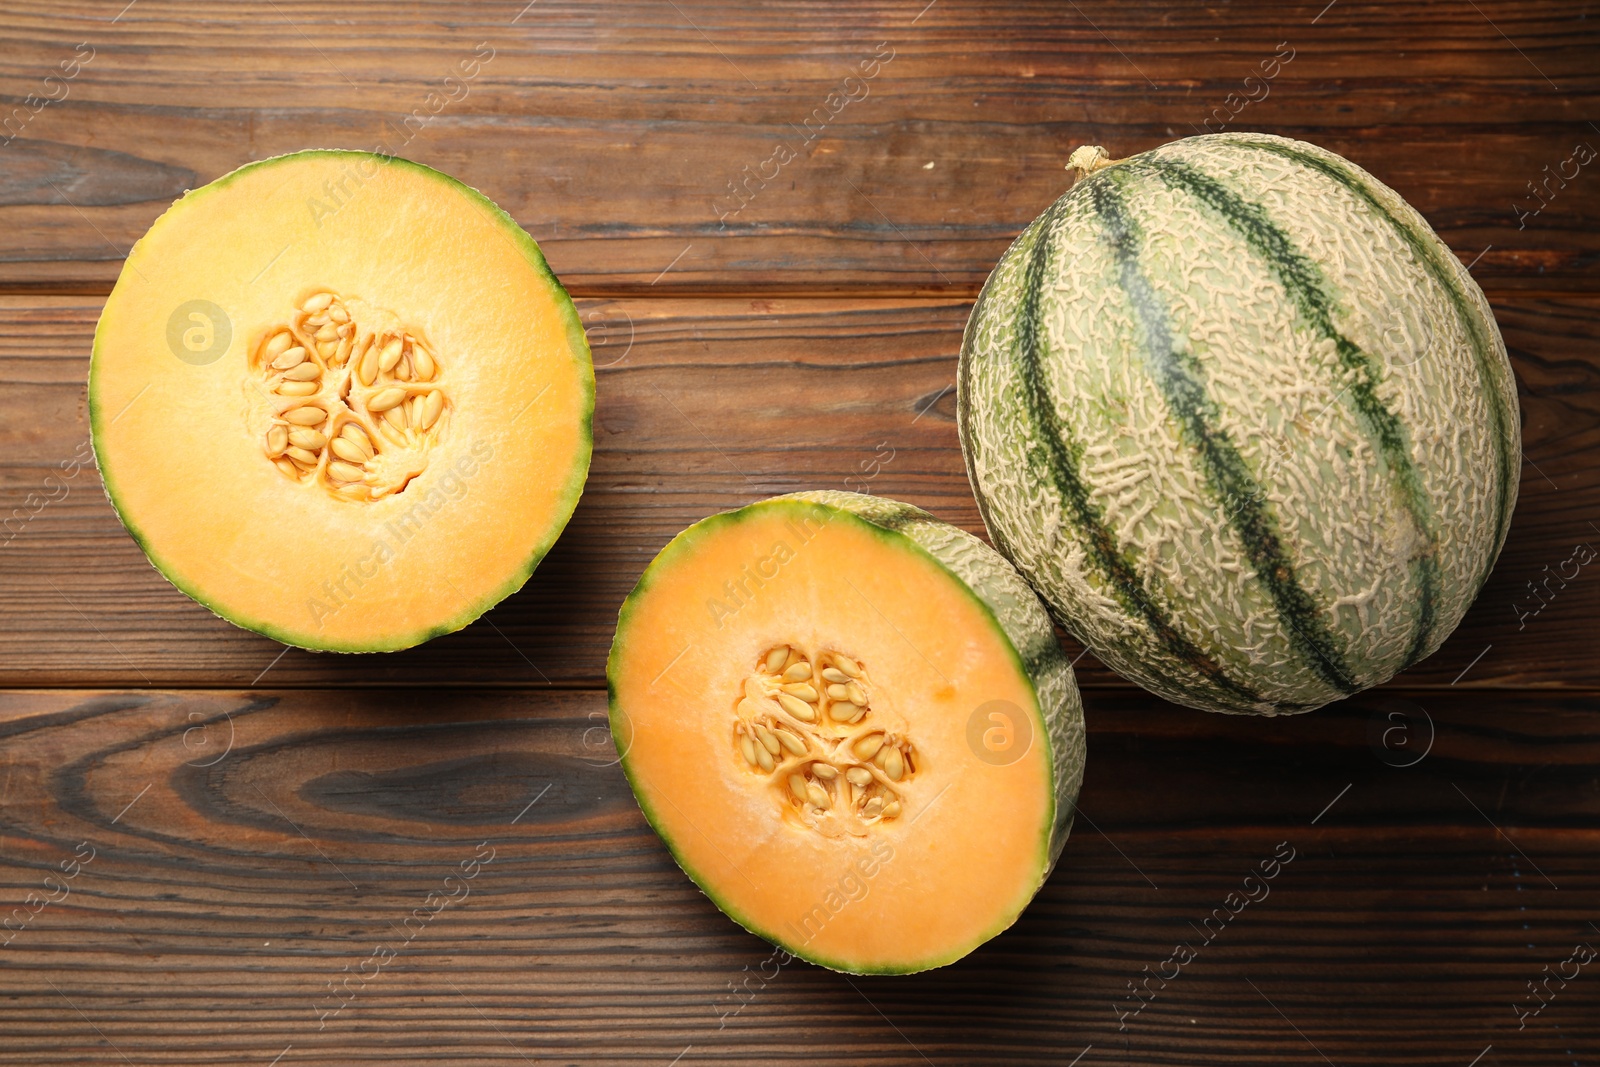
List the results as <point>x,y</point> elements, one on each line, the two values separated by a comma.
<point>1425,248</point>
<point>1177,375</point>
<point>1305,285</point>
<point>1053,448</point>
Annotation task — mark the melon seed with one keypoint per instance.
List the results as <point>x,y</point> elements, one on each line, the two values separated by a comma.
<point>775,658</point>
<point>296,388</point>
<point>367,370</point>
<point>856,694</point>
<point>390,355</point>
<point>358,437</point>
<point>891,809</point>
<point>277,440</point>
<point>317,303</point>
<point>873,807</point>
<point>385,399</point>
<point>338,314</point>
<point>797,787</point>
<point>858,776</point>
<point>827,772</point>
<point>797,707</point>
<point>300,455</point>
<point>303,372</point>
<point>768,741</point>
<point>345,472</point>
<point>838,692</point>
<point>310,415</point>
<point>422,362</point>
<point>345,449</point>
<point>818,796</point>
<point>801,690</point>
<point>798,672</point>
<point>748,747</point>
<point>306,438</point>
<point>286,467</point>
<point>894,765</point>
<point>764,758</point>
<point>789,741</point>
<point>834,674</point>
<point>841,710</point>
<point>868,746</point>
<point>848,665</point>
<point>290,357</point>
<point>432,407</point>
<point>277,343</point>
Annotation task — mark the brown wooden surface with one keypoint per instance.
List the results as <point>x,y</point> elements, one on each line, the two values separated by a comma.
<point>259,824</point>
<point>243,879</point>
<point>612,130</point>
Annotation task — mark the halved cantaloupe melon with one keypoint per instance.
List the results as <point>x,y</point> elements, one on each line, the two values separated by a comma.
<point>851,724</point>
<point>340,399</point>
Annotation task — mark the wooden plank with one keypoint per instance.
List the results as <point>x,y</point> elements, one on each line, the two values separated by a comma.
<point>236,857</point>
<point>617,134</point>
<point>819,392</point>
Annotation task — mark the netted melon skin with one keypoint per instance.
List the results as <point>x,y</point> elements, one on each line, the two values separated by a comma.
<point>1243,420</point>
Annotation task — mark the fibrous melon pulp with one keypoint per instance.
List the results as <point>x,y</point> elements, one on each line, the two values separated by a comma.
<point>852,725</point>
<point>1243,420</point>
<point>340,399</point>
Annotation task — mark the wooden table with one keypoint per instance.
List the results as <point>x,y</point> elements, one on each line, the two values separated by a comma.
<point>242,825</point>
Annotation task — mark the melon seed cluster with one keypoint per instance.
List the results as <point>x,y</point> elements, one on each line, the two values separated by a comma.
<point>803,724</point>
<point>354,407</point>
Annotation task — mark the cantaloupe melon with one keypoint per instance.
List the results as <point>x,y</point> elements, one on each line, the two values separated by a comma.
<point>340,399</point>
<point>851,724</point>
<point>1243,420</point>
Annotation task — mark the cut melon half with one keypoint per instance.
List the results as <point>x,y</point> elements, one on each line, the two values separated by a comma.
<point>852,726</point>
<point>340,399</point>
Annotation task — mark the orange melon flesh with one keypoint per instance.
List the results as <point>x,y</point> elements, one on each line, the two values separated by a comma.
<point>975,837</point>
<point>180,441</point>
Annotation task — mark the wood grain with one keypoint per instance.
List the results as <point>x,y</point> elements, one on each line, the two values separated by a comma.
<point>615,131</point>
<point>818,386</point>
<point>250,848</point>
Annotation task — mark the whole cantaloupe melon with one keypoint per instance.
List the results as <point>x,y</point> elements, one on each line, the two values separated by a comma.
<point>1243,420</point>
<point>339,399</point>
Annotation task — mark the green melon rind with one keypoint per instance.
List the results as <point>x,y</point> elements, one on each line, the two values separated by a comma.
<point>1004,303</point>
<point>1003,596</point>
<point>1472,307</point>
<point>1305,286</point>
<point>1153,641</point>
<point>577,341</point>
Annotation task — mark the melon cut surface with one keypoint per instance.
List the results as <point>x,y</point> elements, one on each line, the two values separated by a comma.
<point>851,724</point>
<point>1243,420</point>
<point>341,400</point>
